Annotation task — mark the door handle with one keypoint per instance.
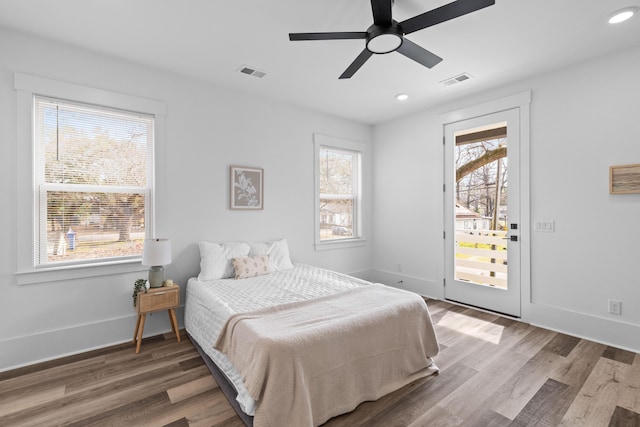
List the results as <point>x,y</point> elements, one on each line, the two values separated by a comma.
<point>512,238</point>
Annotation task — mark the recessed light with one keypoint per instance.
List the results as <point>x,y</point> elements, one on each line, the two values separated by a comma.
<point>622,14</point>
<point>402,97</point>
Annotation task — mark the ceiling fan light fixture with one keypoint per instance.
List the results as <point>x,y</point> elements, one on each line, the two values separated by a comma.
<point>384,43</point>
<point>384,39</point>
<point>622,15</point>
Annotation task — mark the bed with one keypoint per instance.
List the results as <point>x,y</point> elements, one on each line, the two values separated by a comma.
<point>296,344</point>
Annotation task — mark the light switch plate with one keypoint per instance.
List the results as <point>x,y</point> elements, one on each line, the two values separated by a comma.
<point>544,226</point>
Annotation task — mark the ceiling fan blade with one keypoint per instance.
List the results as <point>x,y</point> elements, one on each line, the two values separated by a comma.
<point>418,54</point>
<point>381,12</point>
<point>443,13</point>
<point>355,65</point>
<point>328,36</point>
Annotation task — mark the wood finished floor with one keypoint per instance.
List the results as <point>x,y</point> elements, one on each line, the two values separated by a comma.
<point>494,372</point>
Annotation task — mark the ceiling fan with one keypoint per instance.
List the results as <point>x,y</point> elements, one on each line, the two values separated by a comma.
<point>387,35</point>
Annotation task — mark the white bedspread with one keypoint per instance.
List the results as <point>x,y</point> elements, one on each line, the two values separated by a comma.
<point>209,304</point>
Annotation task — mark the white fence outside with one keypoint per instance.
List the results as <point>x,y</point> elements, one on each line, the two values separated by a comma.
<point>481,257</point>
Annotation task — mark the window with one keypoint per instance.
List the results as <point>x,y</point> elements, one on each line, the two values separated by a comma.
<point>338,191</point>
<point>93,182</point>
<point>86,184</point>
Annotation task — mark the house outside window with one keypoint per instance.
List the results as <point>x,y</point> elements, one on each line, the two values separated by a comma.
<point>338,191</point>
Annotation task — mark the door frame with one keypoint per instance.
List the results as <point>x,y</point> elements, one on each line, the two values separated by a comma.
<point>522,102</point>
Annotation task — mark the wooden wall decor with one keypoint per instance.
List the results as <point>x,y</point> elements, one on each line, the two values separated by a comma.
<point>624,179</point>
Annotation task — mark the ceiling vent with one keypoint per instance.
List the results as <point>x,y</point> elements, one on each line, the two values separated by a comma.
<point>457,79</point>
<point>251,72</point>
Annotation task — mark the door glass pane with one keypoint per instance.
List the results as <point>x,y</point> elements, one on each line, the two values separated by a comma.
<point>481,217</point>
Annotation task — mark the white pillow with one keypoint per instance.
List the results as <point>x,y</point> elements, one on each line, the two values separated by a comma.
<point>215,259</point>
<point>278,252</point>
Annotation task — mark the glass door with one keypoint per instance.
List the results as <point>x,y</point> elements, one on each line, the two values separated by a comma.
<point>482,212</point>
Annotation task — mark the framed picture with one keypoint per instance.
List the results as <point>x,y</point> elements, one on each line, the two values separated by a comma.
<point>624,179</point>
<point>247,188</point>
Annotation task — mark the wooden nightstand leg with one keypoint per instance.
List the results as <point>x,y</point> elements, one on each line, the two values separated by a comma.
<point>174,322</point>
<point>135,331</point>
<point>140,331</point>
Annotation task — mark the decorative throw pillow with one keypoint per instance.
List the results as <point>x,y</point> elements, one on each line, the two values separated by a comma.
<point>215,259</point>
<point>251,266</point>
<point>278,252</point>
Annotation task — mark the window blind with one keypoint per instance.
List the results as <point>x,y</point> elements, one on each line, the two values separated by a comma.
<point>93,181</point>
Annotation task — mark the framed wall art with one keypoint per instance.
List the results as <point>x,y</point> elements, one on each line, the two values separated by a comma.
<point>624,179</point>
<point>247,188</point>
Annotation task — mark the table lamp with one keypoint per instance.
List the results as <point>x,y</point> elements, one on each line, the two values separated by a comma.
<point>156,254</point>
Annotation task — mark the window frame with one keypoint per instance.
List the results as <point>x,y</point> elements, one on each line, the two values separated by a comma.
<point>358,238</point>
<point>27,87</point>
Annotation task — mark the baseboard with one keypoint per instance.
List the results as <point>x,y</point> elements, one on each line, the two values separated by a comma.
<point>364,275</point>
<point>599,329</point>
<point>427,288</point>
<point>606,331</point>
<point>44,346</point>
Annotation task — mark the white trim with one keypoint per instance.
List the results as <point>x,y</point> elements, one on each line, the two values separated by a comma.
<point>525,209</point>
<point>27,87</point>
<point>425,287</point>
<point>334,141</point>
<point>599,329</point>
<point>79,271</point>
<point>49,345</point>
<point>25,199</point>
<point>73,92</point>
<point>501,104</point>
<point>353,242</point>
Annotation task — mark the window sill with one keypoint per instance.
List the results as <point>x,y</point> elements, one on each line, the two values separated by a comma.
<point>341,244</point>
<point>55,274</point>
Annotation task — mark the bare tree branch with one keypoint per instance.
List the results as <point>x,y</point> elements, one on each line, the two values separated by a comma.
<point>485,159</point>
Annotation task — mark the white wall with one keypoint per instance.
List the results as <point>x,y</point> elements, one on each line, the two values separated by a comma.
<point>583,119</point>
<point>207,129</point>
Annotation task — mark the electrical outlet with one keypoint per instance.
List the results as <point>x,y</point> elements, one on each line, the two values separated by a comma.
<point>615,307</point>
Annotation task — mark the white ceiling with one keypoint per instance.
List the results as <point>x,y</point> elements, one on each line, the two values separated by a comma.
<point>210,39</point>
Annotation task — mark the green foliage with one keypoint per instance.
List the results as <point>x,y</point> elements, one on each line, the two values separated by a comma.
<point>138,286</point>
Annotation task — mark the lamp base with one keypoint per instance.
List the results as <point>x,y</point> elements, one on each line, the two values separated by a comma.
<point>156,276</point>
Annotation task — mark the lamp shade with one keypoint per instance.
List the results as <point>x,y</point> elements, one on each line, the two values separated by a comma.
<point>156,252</point>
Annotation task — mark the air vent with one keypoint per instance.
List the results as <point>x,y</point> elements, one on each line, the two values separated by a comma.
<point>252,72</point>
<point>457,79</point>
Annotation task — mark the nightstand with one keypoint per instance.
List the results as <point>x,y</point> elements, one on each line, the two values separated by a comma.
<point>156,299</point>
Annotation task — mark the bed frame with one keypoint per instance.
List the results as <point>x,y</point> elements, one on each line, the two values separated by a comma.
<point>226,387</point>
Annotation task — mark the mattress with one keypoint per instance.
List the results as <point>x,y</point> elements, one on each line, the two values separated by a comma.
<point>209,304</point>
